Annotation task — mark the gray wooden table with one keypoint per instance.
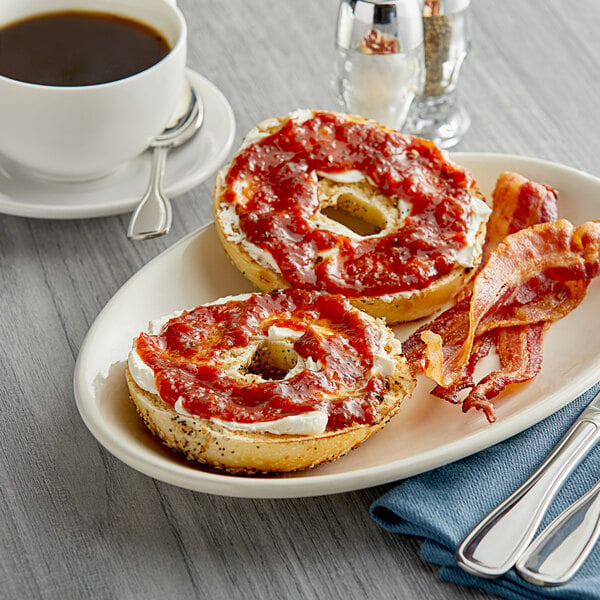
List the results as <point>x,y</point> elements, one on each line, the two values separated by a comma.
<point>76,522</point>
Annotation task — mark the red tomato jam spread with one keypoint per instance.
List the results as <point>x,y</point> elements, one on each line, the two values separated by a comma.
<point>281,195</point>
<point>190,357</point>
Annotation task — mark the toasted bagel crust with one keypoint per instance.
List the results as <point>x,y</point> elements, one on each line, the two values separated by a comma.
<point>393,307</point>
<point>247,453</point>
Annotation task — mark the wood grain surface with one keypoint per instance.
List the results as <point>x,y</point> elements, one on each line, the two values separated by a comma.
<point>77,522</point>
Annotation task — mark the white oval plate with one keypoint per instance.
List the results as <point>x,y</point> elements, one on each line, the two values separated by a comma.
<point>25,195</point>
<point>427,432</point>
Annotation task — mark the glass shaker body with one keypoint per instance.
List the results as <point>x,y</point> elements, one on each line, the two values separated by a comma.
<point>437,114</point>
<point>380,58</point>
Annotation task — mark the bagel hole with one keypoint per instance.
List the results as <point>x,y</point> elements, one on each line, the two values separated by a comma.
<point>273,360</point>
<point>355,214</point>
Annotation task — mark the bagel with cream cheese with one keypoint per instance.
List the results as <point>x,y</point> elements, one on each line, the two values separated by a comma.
<point>338,203</point>
<point>267,383</point>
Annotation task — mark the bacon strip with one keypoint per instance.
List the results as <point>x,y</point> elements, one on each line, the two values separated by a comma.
<point>518,203</point>
<point>521,355</point>
<point>534,274</point>
<point>481,349</point>
<point>551,250</point>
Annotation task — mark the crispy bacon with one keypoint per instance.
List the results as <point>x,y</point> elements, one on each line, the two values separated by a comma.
<point>520,351</point>
<point>518,203</point>
<point>548,250</point>
<point>534,274</point>
<point>481,348</point>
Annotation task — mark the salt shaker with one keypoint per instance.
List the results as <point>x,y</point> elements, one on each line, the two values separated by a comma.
<point>437,113</point>
<point>380,58</point>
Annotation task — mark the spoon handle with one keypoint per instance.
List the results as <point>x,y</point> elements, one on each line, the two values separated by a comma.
<point>558,552</point>
<point>153,215</point>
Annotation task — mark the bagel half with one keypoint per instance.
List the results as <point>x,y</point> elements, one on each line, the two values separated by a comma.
<point>360,203</point>
<point>224,446</point>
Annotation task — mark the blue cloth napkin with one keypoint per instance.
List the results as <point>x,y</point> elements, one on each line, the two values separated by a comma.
<point>443,505</point>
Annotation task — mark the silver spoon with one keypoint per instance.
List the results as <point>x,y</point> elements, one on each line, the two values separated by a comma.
<point>152,216</point>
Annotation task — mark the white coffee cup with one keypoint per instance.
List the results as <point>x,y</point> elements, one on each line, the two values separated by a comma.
<point>85,132</point>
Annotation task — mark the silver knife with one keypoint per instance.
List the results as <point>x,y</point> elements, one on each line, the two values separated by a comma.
<point>495,544</point>
<point>556,554</point>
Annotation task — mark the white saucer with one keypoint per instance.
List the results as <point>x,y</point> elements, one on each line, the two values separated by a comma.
<point>25,195</point>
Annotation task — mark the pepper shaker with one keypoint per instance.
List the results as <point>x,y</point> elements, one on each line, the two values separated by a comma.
<point>437,114</point>
<point>380,58</point>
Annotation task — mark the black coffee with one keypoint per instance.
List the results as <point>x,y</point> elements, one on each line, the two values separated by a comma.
<point>76,48</point>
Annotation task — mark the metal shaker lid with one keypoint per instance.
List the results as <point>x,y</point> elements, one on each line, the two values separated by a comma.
<point>399,18</point>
